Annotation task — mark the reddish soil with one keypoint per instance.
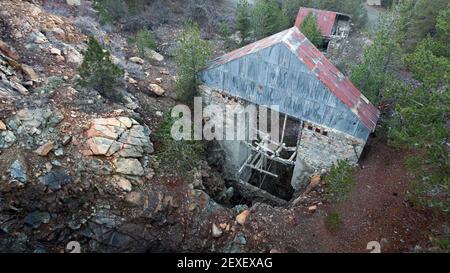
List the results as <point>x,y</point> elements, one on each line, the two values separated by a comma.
<point>378,208</point>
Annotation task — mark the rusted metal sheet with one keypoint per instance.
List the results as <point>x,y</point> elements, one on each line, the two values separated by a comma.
<point>325,19</point>
<point>287,70</point>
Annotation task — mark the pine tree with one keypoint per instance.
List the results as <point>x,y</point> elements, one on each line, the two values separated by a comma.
<point>424,20</point>
<point>267,18</point>
<point>243,19</point>
<point>192,55</point>
<point>311,30</point>
<point>225,32</point>
<point>144,41</point>
<point>290,9</point>
<point>99,72</point>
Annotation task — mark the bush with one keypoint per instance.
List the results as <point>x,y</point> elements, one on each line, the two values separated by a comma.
<point>340,181</point>
<point>110,10</point>
<point>443,243</point>
<point>99,72</point>
<point>311,30</point>
<point>177,157</point>
<point>144,41</point>
<point>333,222</point>
<point>191,57</point>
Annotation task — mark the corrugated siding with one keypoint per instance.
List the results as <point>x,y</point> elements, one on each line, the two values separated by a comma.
<point>274,75</point>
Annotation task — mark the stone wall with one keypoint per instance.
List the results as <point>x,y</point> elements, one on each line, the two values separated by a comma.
<point>319,148</point>
<point>235,151</point>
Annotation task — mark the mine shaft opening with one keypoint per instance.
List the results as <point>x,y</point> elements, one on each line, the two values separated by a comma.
<point>280,186</point>
<point>265,164</point>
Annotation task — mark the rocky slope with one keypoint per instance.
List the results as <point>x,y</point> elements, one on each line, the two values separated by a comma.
<point>77,167</point>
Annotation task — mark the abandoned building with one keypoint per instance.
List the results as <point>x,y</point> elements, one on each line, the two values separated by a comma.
<point>333,25</point>
<point>328,117</point>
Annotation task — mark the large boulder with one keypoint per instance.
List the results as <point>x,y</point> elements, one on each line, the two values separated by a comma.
<point>129,166</point>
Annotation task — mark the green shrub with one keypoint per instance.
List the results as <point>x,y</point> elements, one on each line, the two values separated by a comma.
<point>333,222</point>
<point>144,41</point>
<point>443,243</point>
<point>340,181</point>
<point>110,10</point>
<point>177,157</point>
<point>191,57</point>
<point>99,72</point>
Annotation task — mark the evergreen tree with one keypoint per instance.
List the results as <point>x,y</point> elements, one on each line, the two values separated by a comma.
<point>421,108</point>
<point>311,30</point>
<point>99,72</point>
<point>243,19</point>
<point>267,18</point>
<point>290,9</point>
<point>424,20</point>
<point>372,74</point>
<point>225,32</point>
<point>192,55</point>
<point>144,41</point>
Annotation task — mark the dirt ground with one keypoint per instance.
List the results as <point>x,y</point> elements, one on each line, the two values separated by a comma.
<point>378,209</point>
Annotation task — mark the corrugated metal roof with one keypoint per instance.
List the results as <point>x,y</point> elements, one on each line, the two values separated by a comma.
<point>325,19</point>
<point>320,66</point>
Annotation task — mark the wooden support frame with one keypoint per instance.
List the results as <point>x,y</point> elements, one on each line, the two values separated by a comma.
<point>262,150</point>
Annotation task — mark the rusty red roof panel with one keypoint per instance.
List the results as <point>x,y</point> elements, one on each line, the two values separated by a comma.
<point>319,65</point>
<point>325,19</point>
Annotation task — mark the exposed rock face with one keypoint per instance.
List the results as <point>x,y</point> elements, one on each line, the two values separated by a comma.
<point>129,166</point>
<point>122,138</point>
<point>35,128</point>
<point>11,87</point>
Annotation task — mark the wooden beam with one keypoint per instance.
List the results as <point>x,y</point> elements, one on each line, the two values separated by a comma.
<point>254,193</point>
